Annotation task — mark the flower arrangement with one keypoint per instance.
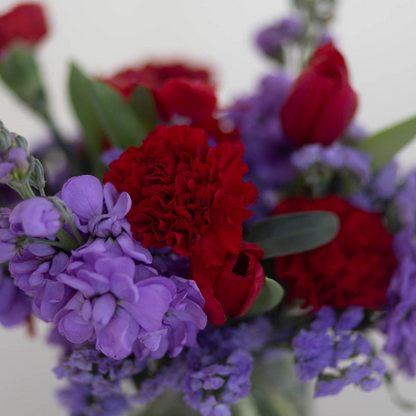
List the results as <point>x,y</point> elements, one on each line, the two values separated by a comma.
<point>186,254</point>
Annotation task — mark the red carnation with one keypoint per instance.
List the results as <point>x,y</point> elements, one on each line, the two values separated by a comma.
<point>230,289</point>
<point>25,23</point>
<point>321,103</point>
<point>185,194</point>
<point>352,270</point>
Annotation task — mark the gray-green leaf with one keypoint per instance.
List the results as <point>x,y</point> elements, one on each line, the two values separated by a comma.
<point>270,296</point>
<point>384,145</point>
<point>144,106</point>
<point>282,235</point>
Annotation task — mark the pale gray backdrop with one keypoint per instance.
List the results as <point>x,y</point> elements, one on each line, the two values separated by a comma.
<point>377,36</point>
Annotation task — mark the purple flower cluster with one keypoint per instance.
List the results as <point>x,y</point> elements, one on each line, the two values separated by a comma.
<point>78,398</point>
<point>400,320</point>
<point>273,39</point>
<point>214,374</point>
<point>320,165</point>
<point>93,280</point>
<point>321,353</point>
<point>267,149</point>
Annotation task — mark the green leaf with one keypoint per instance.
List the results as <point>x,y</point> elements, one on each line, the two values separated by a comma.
<point>384,145</point>
<point>294,233</point>
<point>19,70</point>
<point>270,296</point>
<point>144,105</point>
<point>116,117</point>
<point>79,85</point>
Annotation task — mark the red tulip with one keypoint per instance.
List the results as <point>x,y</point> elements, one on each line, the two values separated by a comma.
<point>321,103</point>
<point>25,23</point>
<point>230,290</point>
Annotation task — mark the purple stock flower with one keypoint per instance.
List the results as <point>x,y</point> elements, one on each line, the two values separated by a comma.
<point>15,306</point>
<point>183,320</point>
<point>8,239</point>
<point>272,39</point>
<point>35,217</point>
<point>111,306</point>
<point>13,164</point>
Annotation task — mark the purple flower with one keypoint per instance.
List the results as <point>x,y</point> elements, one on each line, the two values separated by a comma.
<point>272,39</point>
<point>184,319</point>
<point>350,319</point>
<point>15,306</point>
<point>35,217</point>
<point>330,388</point>
<point>13,164</point>
<point>110,155</point>
<point>337,157</point>
<point>400,321</point>
<point>79,399</point>
<point>112,307</point>
<point>406,202</point>
<point>267,149</point>
<point>8,239</point>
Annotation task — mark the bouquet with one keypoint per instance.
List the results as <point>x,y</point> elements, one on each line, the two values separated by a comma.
<point>199,260</point>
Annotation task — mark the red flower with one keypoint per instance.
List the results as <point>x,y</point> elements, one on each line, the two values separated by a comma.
<point>185,194</point>
<point>154,76</point>
<point>321,103</point>
<point>230,289</point>
<point>178,90</point>
<point>25,23</point>
<point>352,270</point>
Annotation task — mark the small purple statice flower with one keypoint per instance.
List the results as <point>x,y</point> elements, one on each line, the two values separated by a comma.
<point>400,320</point>
<point>35,217</point>
<point>321,351</point>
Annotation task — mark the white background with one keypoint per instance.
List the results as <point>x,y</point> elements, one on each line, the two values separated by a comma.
<point>378,38</point>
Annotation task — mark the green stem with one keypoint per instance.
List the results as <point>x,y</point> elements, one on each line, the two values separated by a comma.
<point>66,240</point>
<point>25,191</point>
<point>51,243</point>
<point>77,235</point>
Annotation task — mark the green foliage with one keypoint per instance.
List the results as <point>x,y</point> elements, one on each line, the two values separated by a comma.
<point>294,233</point>
<point>270,296</point>
<point>144,105</point>
<point>384,145</point>
<point>19,70</point>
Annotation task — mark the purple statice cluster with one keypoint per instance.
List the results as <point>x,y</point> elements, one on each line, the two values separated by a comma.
<point>399,323</point>
<point>92,279</point>
<point>336,354</point>
<point>211,376</point>
<point>216,373</point>
<point>321,166</point>
<point>274,38</point>
<point>268,151</point>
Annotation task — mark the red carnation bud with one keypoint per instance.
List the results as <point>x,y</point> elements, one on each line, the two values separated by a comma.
<point>321,103</point>
<point>25,23</point>
<point>231,289</point>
